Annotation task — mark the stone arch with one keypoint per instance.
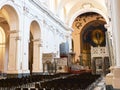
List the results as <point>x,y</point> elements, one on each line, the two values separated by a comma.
<point>89,24</point>
<point>94,20</point>
<point>82,11</point>
<point>81,27</point>
<point>11,16</point>
<point>10,24</point>
<point>71,18</point>
<point>34,47</point>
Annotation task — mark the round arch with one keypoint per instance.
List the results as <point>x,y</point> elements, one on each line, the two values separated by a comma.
<point>35,29</point>
<point>10,24</point>
<point>34,47</point>
<point>88,28</point>
<point>82,11</point>
<point>11,14</point>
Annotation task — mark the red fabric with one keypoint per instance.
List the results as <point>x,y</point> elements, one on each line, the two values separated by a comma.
<point>79,71</point>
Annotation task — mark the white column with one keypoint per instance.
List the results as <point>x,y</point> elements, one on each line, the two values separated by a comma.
<point>25,55</point>
<point>116,35</point>
<point>14,53</point>
<point>37,60</point>
<point>40,56</point>
<point>18,56</point>
<point>2,57</point>
<point>109,76</point>
<point>116,28</point>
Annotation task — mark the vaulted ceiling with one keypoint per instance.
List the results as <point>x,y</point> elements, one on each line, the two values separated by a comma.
<point>68,10</point>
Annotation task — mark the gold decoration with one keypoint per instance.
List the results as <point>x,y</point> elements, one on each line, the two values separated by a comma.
<point>77,25</point>
<point>98,36</point>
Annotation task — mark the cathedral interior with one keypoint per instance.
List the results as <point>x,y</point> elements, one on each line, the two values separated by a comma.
<point>59,45</point>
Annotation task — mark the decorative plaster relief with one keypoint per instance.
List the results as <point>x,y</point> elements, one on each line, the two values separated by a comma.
<point>87,5</point>
<point>25,9</point>
<point>99,51</point>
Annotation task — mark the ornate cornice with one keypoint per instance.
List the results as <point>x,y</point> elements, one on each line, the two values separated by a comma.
<point>50,14</point>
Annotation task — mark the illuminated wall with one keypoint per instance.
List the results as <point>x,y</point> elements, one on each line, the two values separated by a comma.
<point>2,49</point>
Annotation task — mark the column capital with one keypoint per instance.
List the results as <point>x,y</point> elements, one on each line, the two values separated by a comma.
<point>13,31</point>
<point>18,38</point>
<point>40,45</point>
<point>36,40</point>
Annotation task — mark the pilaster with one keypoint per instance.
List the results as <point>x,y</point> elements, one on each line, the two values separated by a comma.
<point>116,36</point>
<point>116,77</point>
<point>37,57</point>
<point>14,53</point>
<point>109,76</point>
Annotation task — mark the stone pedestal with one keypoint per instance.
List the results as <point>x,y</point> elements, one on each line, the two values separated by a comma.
<point>113,78</point>
<point>116,77</point>
<point>109,77</point>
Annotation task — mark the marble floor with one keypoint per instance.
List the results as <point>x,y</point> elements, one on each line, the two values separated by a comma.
<point>100,85</point>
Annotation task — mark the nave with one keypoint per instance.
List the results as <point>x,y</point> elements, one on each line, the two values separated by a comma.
<point>83,80</point>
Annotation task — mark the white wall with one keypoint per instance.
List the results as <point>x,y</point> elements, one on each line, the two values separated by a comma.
<point>49,41</point>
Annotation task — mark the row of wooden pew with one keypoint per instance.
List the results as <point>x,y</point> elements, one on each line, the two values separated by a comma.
<point>61,81</point>
<point>26,81</point>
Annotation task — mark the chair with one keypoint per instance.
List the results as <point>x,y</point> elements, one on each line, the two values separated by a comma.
<point>40,89</point>
<point>32,88</point>
<point>25,89</point>
<point>37,85</point>
<point>18,89</point>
